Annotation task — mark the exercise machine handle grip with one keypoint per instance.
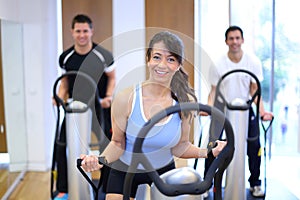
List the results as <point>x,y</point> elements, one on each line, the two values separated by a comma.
<point>89,79</point>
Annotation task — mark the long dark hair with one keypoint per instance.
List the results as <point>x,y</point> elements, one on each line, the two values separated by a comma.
<point>180,87</point>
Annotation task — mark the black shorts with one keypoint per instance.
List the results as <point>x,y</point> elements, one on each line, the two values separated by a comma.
<point>116,180</point>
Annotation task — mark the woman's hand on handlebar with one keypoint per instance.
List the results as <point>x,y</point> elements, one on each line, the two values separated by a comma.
<point>220,146</point>
<point>90,163</point>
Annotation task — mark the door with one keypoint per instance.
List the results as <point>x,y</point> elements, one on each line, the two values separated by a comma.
<point>3,145</point>
<point>177,17</point>
<point>100,11</point>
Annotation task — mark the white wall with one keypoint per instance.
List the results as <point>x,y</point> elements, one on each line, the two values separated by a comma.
<point>129,41</point>
<point>14,93</point>
<point>40,57</point>
<point>40,54</point>
<point>10,10</point>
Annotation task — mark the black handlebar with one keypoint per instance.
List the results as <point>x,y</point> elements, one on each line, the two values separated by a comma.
<point>215,171</point>
<point>230,106</point>
<point>218,165</point>
<point>101,160</point>
<point>91,81</point>
<point>239,107</point>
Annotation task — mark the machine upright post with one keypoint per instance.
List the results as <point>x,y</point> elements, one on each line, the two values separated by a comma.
<point>78,131</point>
<point>237,111</point>
<point>235,177</point>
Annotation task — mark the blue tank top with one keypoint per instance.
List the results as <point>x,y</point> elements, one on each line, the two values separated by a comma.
<point>160,139</point>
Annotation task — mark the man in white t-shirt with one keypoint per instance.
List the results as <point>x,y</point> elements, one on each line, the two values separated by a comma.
<point>243,86</point>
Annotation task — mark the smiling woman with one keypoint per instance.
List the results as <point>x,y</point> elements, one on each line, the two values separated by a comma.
<point>167,85</point>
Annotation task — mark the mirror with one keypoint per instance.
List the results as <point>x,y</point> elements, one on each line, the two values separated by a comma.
<point>14,102</point>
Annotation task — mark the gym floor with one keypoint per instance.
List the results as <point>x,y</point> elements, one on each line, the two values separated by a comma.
<point>283,179</point>
<point>283,168</point>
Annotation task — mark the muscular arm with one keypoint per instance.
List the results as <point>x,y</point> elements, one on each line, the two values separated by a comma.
<point>116,147</point>
<point>120,111</point>
<point>106,101</point>
<point>63,90</point>
<point>111,83</point>
<point>185,149</point>
<point>210,99</point>
<point>211,95</point>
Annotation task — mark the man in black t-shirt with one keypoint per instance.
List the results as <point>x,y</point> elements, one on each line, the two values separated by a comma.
<point>94,60</point>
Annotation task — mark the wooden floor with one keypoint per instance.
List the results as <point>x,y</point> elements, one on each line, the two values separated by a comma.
<point>6,180</point>
<point>34,185</point>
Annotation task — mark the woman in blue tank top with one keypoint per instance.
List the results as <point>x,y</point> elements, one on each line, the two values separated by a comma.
<point>133,107</point>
